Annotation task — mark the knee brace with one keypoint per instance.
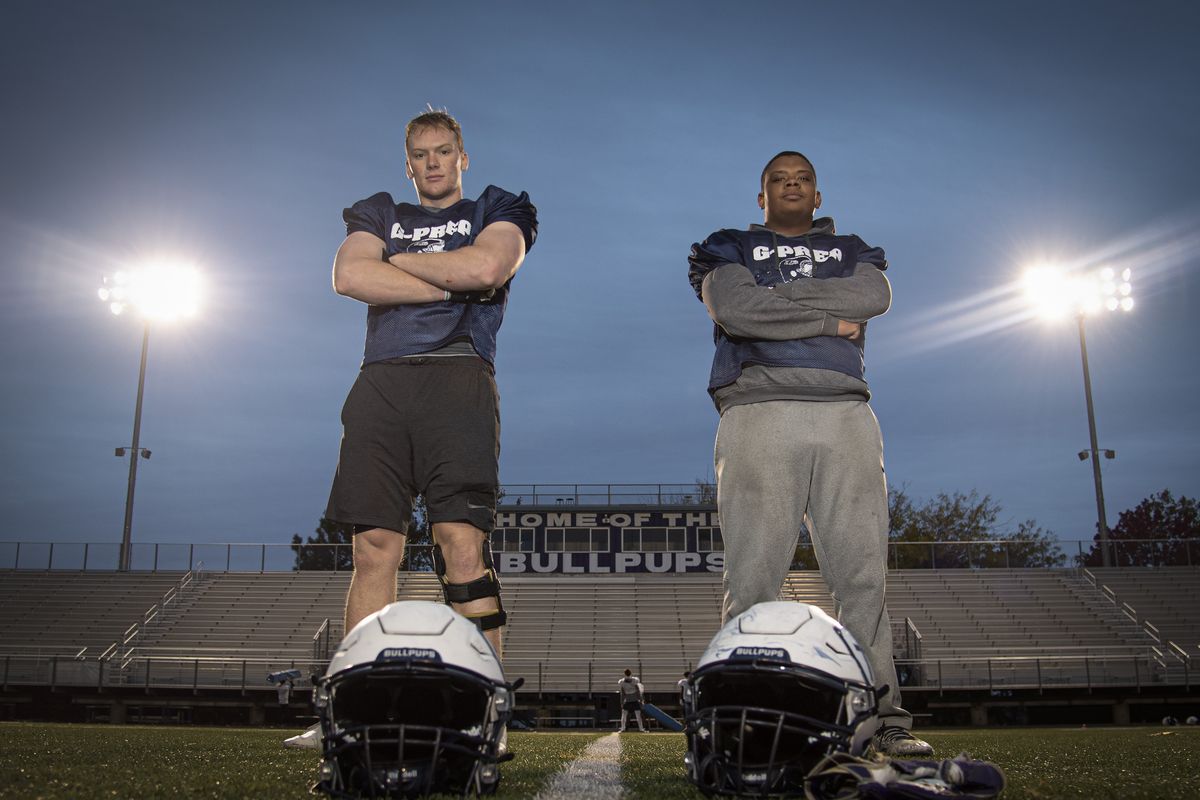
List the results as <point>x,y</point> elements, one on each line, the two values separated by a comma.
<point>487,585</point>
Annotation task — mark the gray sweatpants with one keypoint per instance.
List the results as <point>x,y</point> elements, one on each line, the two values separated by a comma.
<point>785,462</point>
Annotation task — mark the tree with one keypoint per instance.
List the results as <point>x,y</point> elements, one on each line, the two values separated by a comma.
<point>968,533</point>
<point>805,555</point>
<point>1156,532</point>
<point>418,550</point>
<point>331,548</point>
<point>706,492</point>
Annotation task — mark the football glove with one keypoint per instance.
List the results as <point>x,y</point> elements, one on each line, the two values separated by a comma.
<point>844,777</point>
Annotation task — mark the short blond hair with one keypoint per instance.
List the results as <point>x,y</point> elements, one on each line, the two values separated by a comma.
<point>434,118</point>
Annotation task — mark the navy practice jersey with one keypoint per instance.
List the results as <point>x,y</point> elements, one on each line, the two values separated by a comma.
<point>411,329</point>
<point>774,260</point>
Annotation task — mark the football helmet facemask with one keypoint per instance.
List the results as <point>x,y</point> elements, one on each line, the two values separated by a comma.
<point>780,687</point>
<point>414,702</point>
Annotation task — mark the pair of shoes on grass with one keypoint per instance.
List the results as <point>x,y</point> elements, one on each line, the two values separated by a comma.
<point>896,742</point>
<point>309,740</point>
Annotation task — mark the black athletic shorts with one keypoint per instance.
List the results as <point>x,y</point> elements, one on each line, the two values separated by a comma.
<point>419,426</point>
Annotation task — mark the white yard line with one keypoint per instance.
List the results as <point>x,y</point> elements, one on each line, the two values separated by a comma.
<point>595,775</point>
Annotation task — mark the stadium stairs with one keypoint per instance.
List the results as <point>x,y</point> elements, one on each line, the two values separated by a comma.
<point>1164,596</point>
<point>74,613</point>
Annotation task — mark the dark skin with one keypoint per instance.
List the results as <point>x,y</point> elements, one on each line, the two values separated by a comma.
<point>789,198</point>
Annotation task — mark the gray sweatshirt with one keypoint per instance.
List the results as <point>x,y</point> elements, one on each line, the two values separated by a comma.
<point>799,309</point>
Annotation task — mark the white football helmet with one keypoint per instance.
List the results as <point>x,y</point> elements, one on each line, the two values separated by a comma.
<point>780,687</point>
<point>414,702</point>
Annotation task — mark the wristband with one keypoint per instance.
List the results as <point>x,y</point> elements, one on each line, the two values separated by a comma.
<point>445,295</point>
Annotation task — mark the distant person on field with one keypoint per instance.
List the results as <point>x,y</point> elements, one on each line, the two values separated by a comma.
<point>284,692</point>
<point>633,695</point>
<point>682,682</point>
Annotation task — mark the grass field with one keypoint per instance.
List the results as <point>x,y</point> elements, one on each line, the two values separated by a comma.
<point>86,762</point>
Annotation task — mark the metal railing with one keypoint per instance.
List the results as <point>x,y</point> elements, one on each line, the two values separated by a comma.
<point>124,648</point>
<point>583,674</point>
<point>912,639</point>
<point>323,641</point>
<point>149,672</point>
<point>1164,653</point>
<point>280,557</point>
<point>607,494</point>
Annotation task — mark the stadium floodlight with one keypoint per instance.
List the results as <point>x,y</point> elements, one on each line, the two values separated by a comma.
<point>1054,294</point>
<point>159,293</point>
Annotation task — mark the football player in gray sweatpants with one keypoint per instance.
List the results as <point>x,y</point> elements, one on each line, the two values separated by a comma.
<point>797,441</point>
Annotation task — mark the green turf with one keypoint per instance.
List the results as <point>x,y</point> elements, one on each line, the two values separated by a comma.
<point>81,762</point>
<point>61,762</point>
<point>652,766</point>
<point>86,762</point>
<point>536,757</point>
<point>1095,763</point>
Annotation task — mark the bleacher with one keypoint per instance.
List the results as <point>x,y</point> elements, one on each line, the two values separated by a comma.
<point>1015,626</point>
<point>578,633</point>
<point>274,613</point>
<point>1167,597</point>
<point>561,629</point>
<point>61,613</point>
<point>1031,611</point>
<point>581,633</point>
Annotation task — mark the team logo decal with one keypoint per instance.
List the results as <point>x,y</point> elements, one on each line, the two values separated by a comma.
<point>426,246</point>
<point>451,228</point>
<point>796,256</point>
<point>799,266</point>
<point>408,654</point>
<point>776,653</point>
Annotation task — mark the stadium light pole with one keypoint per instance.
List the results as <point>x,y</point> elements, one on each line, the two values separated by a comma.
<point>158,292</point>
<point>1054,295</point>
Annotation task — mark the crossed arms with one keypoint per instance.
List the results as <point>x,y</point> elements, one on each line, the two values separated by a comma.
<point>359,271</point>
<point>797,310</point>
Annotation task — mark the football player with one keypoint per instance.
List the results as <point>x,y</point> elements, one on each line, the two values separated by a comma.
<point>422,418</point>
<point>797,442</point>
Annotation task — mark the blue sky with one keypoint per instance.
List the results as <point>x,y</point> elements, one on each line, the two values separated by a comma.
<point>968,140</point>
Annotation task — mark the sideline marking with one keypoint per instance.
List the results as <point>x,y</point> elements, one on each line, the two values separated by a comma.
<point>595,775</point>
